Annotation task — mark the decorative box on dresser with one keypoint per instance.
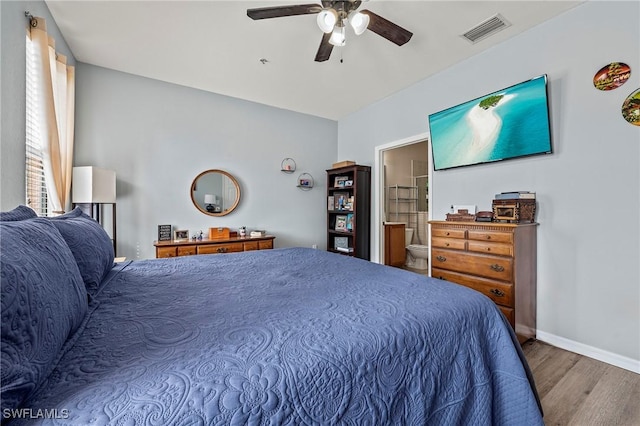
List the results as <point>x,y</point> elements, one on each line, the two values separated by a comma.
<point>496,259</point>
<point>231,244</point>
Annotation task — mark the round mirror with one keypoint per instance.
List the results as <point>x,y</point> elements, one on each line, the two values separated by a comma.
<point>215,192</point>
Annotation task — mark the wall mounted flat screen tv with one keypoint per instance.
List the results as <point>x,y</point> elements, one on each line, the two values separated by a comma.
<point>508,123</point>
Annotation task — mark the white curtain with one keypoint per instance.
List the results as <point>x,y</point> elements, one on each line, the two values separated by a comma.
<point>56,110</point>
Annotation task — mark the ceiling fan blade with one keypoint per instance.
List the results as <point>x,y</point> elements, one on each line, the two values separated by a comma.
<point>387,29</point>
<point>280,11</point>
<point>324,51</point>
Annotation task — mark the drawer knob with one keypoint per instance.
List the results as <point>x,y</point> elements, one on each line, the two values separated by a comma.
<point>497,267</point>
<point>222,250</point>
<point>446,245</point>
<point>488,237</point>
<point>441,258</point>
<point>496,292</point>
<point>447,233</point>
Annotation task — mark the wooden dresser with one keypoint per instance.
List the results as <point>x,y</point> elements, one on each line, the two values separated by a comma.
<point>223,245</point>
<point>496,259</point>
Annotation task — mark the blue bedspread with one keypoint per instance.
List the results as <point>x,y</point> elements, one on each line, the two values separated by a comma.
<point>286,337</point>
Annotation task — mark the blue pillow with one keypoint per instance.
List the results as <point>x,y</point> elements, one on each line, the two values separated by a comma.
<point>90,244</point>
<point>19,213</point>
<point>43,302</point>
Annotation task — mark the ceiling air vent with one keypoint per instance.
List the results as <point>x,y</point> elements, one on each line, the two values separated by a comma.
<point>486,28</point>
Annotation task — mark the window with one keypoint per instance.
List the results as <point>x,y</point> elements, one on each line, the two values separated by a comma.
<point>36,189</point>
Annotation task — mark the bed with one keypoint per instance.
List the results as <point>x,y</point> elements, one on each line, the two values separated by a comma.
<point>287,336</point>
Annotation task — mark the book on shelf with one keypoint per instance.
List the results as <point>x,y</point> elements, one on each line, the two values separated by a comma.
<point>330,203</point>
<point>345,249</point>
<point>516,195</point>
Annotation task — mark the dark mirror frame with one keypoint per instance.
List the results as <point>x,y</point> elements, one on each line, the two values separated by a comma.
<point>223,212</point>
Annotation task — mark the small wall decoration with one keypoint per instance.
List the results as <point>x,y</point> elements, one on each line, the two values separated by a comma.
<point>305,181</point>
<point>288,165</point>
<point>631,108</point>
<point>612,76</point>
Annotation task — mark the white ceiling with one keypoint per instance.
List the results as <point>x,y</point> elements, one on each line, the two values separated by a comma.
<point>214,46</point>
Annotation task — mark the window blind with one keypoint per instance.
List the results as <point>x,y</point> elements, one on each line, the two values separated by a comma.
<point>36,188</point>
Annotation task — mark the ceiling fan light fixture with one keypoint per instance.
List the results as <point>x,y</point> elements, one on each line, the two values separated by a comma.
<point>359,22</point>
<point>327,19</point>
<point>338,36</point>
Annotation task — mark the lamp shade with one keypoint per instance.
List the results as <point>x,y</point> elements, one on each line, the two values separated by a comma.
<point>337,37</point>
<point>93,185</point>
<point>359,22</point>
<point>209,199</point>
<point>327,19</point>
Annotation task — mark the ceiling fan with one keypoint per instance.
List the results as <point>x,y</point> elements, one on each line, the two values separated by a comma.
<point>332,19</point>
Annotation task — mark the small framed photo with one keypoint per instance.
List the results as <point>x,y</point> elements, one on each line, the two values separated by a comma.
<point>341,223</point>
<point>341,242</point>
<point>348,183</point>
<point>340,200</point>
<point>181,235</point>
<point>339,181</point>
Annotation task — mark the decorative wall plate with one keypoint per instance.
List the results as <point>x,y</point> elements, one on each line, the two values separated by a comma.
<point>631,108</point>
<point>612,76</point>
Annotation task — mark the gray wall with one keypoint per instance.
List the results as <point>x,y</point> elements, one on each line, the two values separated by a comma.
<point>588,189</point>
<point>158,137</point>
<point>13,30</point>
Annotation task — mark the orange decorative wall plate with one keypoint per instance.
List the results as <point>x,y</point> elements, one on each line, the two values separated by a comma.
<point>612,76</point>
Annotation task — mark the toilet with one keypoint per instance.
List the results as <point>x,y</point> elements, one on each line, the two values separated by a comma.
<point>418,255</point>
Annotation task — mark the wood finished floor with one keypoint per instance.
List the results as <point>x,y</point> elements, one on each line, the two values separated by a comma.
<point>580,391</point>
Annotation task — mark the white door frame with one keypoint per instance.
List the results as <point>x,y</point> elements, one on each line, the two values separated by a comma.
<point>378,189</point>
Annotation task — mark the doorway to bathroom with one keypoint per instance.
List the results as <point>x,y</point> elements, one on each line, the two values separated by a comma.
<point>403,194</point>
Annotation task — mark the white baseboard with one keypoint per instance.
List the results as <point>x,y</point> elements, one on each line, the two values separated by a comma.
<point>589,351</point>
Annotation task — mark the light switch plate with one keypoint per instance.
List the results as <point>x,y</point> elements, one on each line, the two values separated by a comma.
<point>469,208</point>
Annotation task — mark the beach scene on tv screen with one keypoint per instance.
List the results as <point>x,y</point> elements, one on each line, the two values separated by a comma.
<point>509,123</point>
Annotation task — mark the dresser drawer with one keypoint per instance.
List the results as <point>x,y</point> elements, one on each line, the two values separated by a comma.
<point>162,252</point>
<point>500,268</point>
<point>491,248</point>
<point>493,236</point>
<point>510,314</point>
<point>449,243</point>
<point>265,244</point>
<point>220,248</point>
<point>186,250</point>
<point>448,233</point>
<point>501,293</point>
<point>252,245</point>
